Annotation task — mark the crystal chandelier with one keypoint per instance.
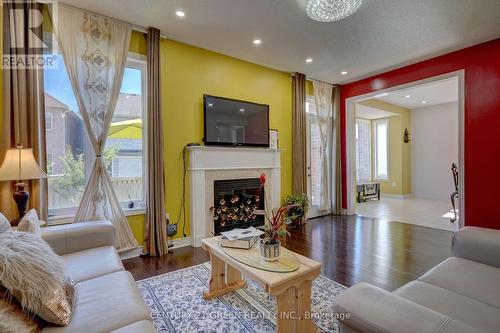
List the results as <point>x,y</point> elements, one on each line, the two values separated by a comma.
<point>331,10</point>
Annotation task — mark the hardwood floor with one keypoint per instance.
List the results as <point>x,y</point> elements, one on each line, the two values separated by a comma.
<point>352,249</point>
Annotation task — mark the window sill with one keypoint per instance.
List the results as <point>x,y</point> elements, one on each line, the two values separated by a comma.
<point>66,219</point>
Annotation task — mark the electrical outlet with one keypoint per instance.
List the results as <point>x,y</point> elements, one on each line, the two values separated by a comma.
<point>171,228</point>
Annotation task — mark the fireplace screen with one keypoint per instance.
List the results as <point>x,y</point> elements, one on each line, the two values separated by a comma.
<point>235,202</point>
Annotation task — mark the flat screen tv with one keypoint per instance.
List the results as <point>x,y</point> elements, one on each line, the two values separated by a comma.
<point>236,123</point>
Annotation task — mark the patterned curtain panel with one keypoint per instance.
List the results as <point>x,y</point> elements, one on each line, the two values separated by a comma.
<point>95,52</point>
<point>323,97</point>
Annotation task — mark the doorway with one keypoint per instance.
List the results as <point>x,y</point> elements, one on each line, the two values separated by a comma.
<point>401,143</point>
<point>315,189</point>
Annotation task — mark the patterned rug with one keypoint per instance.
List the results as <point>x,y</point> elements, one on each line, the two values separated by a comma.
<point>177,305</point>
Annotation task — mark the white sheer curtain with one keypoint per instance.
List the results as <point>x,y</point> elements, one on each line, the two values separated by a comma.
<point>323,98</point>
<point>95,52</point>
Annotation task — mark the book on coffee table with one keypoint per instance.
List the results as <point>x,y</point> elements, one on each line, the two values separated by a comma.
<point>241,243</point>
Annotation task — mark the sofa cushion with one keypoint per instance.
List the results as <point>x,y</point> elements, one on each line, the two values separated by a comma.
<point>467,310</point>
<point>144,326</point>
<point>105,304</point>
<point>467,278</point>
<point>88,264</point>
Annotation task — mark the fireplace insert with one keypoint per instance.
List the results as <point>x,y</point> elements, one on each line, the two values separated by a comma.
<point>235,202</point>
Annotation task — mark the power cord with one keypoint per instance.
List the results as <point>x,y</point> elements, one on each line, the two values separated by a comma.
<point>182,208</point>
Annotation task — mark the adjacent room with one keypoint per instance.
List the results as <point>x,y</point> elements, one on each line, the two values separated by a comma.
<point>223,166</point>
<point>407,154</point>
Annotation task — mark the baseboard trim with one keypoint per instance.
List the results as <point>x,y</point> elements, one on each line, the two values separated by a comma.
<point>181,242</point>
<point>134,253</point>
<point>396,196</point>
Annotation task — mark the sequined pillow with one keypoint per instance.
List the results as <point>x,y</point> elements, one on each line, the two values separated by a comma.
<point>12,317</point>
<point>57,306</point>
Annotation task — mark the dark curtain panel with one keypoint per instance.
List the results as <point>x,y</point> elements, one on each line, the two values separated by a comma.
<point>299,141</point>
<point>155,231</point>
<point>23,114</point>
<point>336,158</point>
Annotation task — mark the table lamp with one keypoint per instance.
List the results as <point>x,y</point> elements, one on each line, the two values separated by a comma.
<point>20,164</point>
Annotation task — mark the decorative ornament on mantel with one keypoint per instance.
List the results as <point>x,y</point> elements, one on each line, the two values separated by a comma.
<point>331,10</point>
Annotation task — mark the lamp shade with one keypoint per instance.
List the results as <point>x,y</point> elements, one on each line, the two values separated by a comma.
<point>20,164</point>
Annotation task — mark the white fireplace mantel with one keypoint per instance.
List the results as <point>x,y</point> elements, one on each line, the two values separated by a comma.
<point>209,163</point>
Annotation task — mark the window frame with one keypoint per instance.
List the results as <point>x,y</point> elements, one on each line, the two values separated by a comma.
<point>375,175</point>
<point>139,62</point>
<point>371,157</point>
<point>66,215</point>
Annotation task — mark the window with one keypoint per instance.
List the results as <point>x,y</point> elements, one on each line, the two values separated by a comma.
<point>48,121</point>
<point>314,153</point>
<point>50,164</point>
<point>69,147</point>
<point>125,144</point>
<point>381,129</point>
<point>363,151</point>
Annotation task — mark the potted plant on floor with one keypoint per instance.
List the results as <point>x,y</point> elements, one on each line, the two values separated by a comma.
<point>296,215</point>
<point>270,244</point>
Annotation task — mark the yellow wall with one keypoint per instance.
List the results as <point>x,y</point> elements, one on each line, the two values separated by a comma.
<point>399,181</point>
<point>188,72</point>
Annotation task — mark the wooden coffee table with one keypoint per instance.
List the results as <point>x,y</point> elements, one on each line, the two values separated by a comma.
<point>292,290</point>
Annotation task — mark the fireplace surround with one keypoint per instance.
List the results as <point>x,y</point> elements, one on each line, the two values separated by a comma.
<point>207,164</point>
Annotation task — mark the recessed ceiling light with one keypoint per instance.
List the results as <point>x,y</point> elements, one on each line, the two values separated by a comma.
<point>257,41</point>
<point>210,105</point>
<point>343,73</point>
<point>242,110</point>
<point>424,102</point>
<point>309,60</point>
<point>407,96</point>
<point>381,95</point>
<point>180,13</point>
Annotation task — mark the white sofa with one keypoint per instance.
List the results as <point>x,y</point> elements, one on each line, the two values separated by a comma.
<point>107,298</point>
<point>460,295</point>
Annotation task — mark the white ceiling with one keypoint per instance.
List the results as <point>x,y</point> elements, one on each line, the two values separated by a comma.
<point>434,93</point>
<point>370,113</point>
<point>381,35</point>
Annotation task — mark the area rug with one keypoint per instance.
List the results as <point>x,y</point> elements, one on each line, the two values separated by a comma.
<point>176,304</point>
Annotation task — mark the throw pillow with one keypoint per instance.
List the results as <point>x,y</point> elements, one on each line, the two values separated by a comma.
<point>30,223</point>
<point>12,317</point>
<point>4,223</point>
<point>34,275</point>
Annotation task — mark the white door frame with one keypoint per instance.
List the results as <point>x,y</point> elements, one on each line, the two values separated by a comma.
<point>350,119</point>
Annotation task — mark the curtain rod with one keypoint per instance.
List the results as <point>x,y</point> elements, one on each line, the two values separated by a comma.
<point>135,27</point>
<point>308,78</point>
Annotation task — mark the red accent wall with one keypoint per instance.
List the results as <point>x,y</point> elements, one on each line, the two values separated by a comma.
<point>482,121</point>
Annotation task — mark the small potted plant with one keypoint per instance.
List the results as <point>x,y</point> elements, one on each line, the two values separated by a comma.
<point>300,201</point>
<point>270,244</point>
